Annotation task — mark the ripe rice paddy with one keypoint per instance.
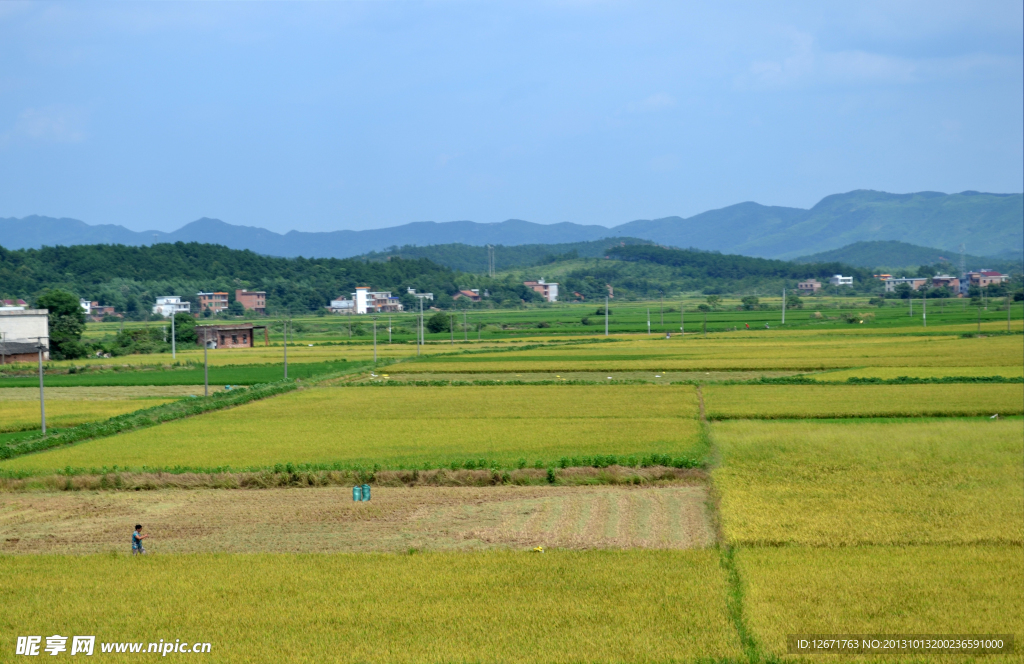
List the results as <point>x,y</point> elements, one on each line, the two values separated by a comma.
<point>866,483</point>
<point>741,352</point>
<point>406,427</point>
<point>22,415</point>
<point>884,590</point>
<point>831,401</point>
<point>328,521</point>
<point>559,606</point>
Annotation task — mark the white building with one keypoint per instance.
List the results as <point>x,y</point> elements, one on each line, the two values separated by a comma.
<point>425,296</point>
<point>365,301</point>
<point>22,329</point>
<point>915,283</point>
<point>86,306</point>
<point>840,280</point>
<point>170,304</point>
<point>548,291</point>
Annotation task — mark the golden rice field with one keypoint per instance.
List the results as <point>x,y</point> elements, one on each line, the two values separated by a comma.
<point>406,427</point>
<point>797,352</point>
<point>21,415</point>
<point>104,392</point>
<point>820,401</point>
<point>560,606</point>
<point>931,589</point>
<point>868,483</point>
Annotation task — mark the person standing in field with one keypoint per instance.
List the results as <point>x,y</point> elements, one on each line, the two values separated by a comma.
<point>137,537</point>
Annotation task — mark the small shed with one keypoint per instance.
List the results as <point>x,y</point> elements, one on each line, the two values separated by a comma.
<point>230,335</point>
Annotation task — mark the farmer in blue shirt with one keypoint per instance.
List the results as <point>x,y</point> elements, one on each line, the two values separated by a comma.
<point>137,538</point>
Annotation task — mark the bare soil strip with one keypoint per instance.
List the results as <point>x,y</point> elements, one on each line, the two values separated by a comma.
<point>327,520</point>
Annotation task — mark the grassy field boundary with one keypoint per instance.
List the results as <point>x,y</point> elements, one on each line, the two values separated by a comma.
<point>293,477</point>
<point>764,380</point>
<point>368,472</point>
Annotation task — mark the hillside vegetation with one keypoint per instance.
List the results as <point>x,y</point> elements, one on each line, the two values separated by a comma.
<point>892,254</point>
<point>469,258</point>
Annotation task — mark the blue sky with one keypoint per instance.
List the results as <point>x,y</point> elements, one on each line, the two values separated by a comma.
<point>332,115</point>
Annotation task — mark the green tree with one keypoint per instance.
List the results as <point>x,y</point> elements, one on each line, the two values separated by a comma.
<point>67,323</point>
<point>439,322</point>
<point>236,308</point>
<point>184,329</point>
<point>794,302</point>
<point>750,302</point>
<point>713,300</point>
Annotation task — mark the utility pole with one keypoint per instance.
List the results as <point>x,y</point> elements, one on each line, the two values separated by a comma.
<point>682,318</point>
<point>206,364</point>
<point>648,321</point>
<point>286,348</point>
<point>606,315</point>
<point>42,399</point>
<point>174,348</point>
<point>419,332</point>
<point>924,313</point>
<point>783,306</point>
<point>374,341</point>
<point>389,330</point>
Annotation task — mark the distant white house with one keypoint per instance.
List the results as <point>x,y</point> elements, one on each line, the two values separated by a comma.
<point>425,296</point>
<point>840,280</point>
<point>549,291</point>
<point>86,306</point>
<point>365,301</point>
<point>168,305</point>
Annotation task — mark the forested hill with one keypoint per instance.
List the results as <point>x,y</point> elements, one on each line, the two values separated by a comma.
<point>469,258</point>
<point>129,278</point>
<point>713,266</point>
<point>892,254</point>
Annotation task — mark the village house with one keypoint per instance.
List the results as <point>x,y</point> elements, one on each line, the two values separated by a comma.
<point>216,302</point>
<point>168,305</point>
<point>252,300</point>
<point>548,291</point>
<point>810,286</point>
<point>473,295</point>
<point>365,301</point>
<point>22,332</point>
<point>840,280</point>
<point>915,283</point>
<point>235,335</point>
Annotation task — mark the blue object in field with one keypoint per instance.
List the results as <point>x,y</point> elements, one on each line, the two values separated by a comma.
<point>366,492</point>
<point>227,387</point>
<point>357,493</point>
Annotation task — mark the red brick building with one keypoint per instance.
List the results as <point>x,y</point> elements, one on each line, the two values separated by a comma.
<point>238,335</point>
<point>215,302</point>
<point>252,300</point>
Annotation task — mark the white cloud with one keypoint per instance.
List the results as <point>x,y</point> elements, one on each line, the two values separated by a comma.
<point>52,123</point>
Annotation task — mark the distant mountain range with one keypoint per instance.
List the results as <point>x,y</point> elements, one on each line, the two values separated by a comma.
<point>895,255</point>
<point>986,223</point>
